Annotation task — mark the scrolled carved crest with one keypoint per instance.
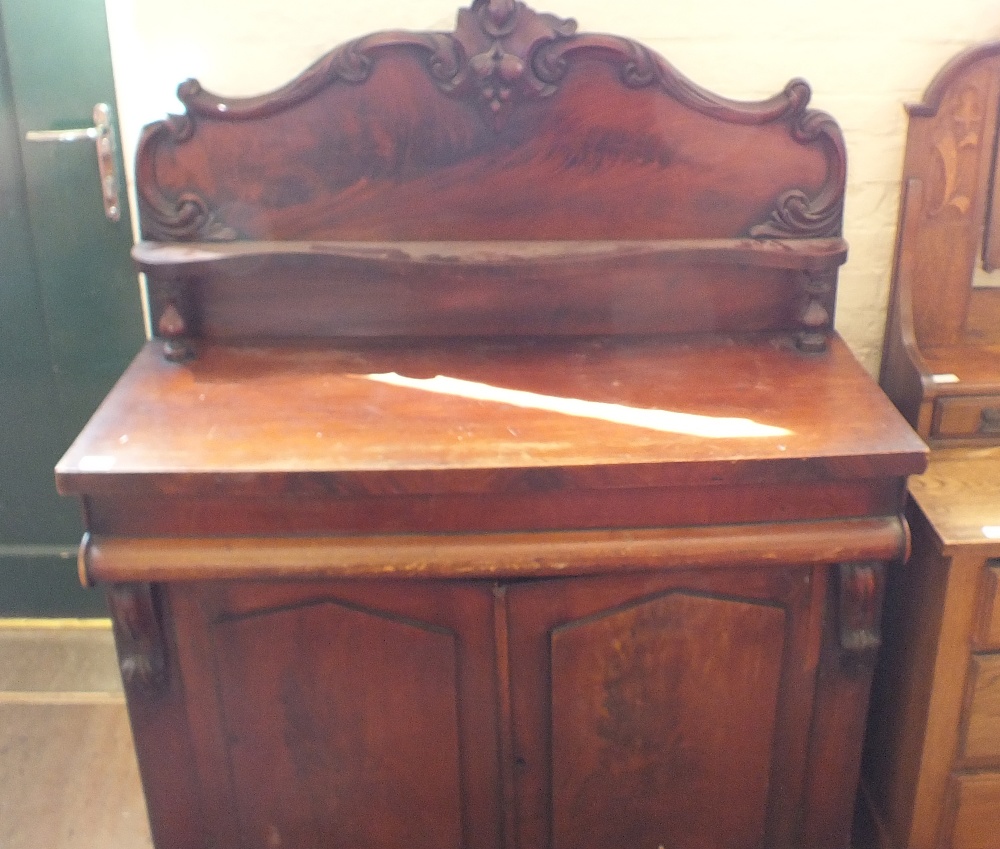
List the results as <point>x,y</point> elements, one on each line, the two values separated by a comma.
<point>500,39</point>
<point>501,56</point>
<point>797,214</point>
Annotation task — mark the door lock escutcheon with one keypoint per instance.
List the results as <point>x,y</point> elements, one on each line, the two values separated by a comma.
<point>103,134</point>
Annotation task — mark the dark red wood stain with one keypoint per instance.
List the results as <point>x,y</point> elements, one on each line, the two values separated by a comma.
<point>495,488</point>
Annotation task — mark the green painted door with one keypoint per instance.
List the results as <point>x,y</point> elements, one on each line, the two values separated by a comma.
<point>70,311</point>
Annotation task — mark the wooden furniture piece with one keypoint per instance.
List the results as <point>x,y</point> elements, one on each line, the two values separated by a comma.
<point>941,362</point>
<point>932,763</point>
<point>497,478</point>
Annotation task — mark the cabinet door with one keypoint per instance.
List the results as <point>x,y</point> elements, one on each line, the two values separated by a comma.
<point>343,714</point>
<point>663,710</point>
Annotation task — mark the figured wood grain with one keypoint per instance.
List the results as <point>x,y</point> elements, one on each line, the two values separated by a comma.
<point>368,752</point>
<point>642,696</point>
<point>618,730</point>
<point>357,699</point>
<point>667,159</point>
<point>508,132</point>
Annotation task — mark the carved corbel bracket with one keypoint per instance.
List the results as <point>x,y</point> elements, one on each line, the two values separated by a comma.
<point>815,316</point>
<point>139,635</point>
<point>859,613</point>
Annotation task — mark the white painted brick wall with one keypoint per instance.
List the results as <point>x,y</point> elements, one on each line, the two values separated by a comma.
<point>863,58</point>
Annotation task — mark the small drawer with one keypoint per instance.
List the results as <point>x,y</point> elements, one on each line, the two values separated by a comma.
<point>973,812</point>
<point>987,627</point>
<point>975,416</point>
<point>981,737</point>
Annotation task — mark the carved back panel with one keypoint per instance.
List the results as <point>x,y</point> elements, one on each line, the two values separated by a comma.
<point>941,358</point>
<point>947,227</point>
<point>514,128</point>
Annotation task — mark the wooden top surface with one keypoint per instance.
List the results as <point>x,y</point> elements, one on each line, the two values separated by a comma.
<point>612,412</point>
<point>960,495</point>
<point>969,369</point>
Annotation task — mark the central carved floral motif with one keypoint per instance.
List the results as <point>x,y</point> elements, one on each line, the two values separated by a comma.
<point>499,72</point>
<point>500,37</point>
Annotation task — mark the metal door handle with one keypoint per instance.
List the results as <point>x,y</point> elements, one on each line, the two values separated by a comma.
<point>80,134</point>
<point>103,133</point>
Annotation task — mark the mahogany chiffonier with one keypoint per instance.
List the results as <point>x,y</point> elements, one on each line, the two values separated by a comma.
<point>932,762</point>
<point>496,478</point>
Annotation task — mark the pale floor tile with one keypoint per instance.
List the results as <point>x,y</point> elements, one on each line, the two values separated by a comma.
<point>58,660</point>
<point>68,776</point>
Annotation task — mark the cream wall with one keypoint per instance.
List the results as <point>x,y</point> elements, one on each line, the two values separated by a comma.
<point>863,58</point>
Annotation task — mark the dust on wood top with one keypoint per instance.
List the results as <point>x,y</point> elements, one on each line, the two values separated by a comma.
<point>960,495</point>
<point>435,417</point>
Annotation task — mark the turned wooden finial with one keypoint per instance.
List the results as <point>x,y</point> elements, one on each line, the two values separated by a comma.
<point>174,328</point>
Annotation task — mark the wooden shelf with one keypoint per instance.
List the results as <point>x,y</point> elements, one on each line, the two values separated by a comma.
<point>812,255</point>
<point>328,289</point>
